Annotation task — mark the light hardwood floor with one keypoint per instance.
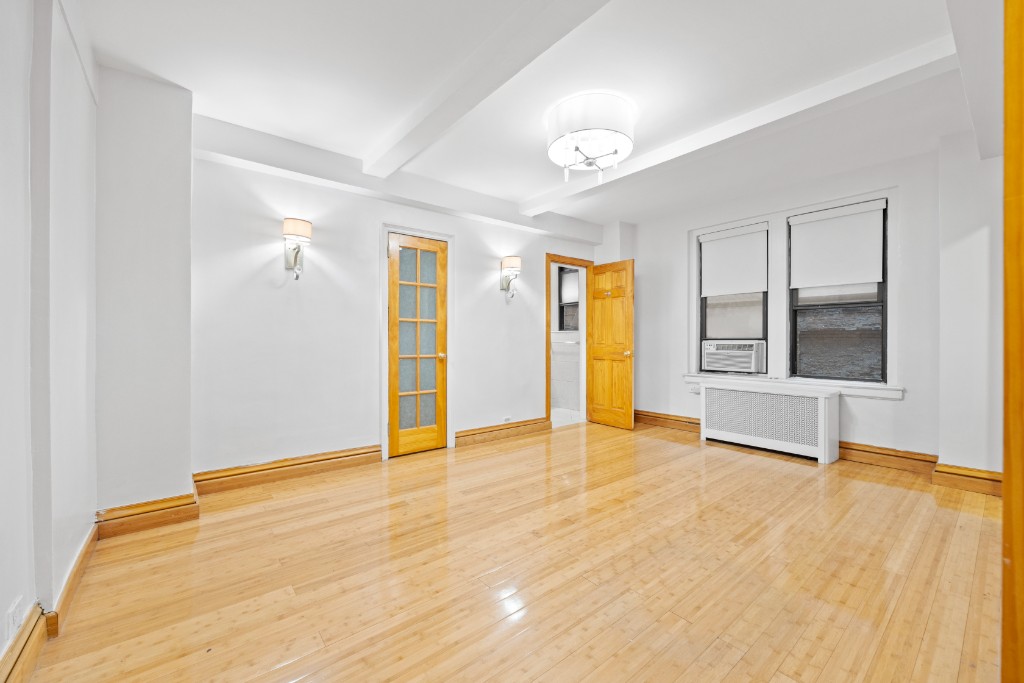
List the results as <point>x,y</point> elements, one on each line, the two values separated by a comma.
<point>583,553</point>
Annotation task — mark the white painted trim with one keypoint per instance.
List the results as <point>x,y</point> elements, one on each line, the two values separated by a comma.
<point>382,263</point>
<point>885,392</point>
<point>838,212</point>
<point>733,232</point>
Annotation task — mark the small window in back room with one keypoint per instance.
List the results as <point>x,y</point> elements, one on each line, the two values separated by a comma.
<point>568,300</point>
<point>838,287</point>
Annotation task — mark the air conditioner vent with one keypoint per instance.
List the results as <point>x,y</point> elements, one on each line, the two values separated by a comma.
<point>733,356</point>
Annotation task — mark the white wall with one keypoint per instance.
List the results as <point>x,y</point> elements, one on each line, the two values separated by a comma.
<point>283,368</point>
<point>16,566</point>
<point>970,306</point>
<point>663,330</point>
<point>144,161</point>
<point>618,244</point>
<point>72,302</point>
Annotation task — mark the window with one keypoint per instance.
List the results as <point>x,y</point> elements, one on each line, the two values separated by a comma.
<point>734,284</point>
<point>735,316</point>
<point>568,299</point>
<point>837,295</point>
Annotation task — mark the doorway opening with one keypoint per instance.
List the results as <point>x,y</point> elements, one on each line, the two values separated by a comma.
<point>566,339</point>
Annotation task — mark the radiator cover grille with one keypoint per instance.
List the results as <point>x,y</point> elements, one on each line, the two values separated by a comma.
<point>778,417</point>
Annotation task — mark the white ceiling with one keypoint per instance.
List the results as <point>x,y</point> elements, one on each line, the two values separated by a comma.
<point>343,75</point>
<point>332,74</point>
<point>686,65</point>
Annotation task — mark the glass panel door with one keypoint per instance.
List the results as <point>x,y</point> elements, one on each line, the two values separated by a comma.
<point>417,326</point>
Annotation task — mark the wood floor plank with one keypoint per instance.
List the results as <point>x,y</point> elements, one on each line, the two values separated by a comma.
<point>582,553</point>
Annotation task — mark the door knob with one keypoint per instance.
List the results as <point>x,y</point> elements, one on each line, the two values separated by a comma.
<point>627,354</point>
<point>441,356</point>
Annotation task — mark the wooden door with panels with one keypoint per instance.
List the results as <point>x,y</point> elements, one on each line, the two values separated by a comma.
<point>417,344</point>
<point>610,346</point>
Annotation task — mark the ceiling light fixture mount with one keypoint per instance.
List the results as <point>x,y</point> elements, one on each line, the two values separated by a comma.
<point>590,131</point>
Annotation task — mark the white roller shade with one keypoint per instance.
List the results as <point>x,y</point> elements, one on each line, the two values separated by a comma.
<point>735,264</point>
<point>841,246</point>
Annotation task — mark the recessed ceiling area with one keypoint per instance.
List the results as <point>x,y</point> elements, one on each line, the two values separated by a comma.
<point>686,65</point>
<point>893,126</point>
<point>435,90</point>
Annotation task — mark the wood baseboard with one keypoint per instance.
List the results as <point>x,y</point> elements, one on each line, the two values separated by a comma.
<point>60,611</point>
<point>968,479</point>
<point>19,659</point>
<point>908,461</point>
<point>685,424</point>
<point>469,437</point>
<point>230,478</point>
<point>127,519</point>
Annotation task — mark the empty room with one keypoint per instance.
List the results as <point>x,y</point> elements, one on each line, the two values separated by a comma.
<point>544,340</point>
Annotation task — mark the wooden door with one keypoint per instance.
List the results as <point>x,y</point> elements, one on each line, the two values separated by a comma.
<point>1013,364</point>
<point>610,346</point>
<point>417,343</point>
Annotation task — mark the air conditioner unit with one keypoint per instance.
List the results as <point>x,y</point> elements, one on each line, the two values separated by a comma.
<point>779,417</point>
<point>734,355</point>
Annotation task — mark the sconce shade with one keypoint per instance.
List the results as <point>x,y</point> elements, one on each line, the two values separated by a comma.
<point>512,263</point>
<point>298,229</point>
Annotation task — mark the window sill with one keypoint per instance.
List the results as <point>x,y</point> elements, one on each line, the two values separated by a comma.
<point>883,392</point>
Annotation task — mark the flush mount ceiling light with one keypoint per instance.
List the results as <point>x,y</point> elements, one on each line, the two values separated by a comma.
<point>590,132</point>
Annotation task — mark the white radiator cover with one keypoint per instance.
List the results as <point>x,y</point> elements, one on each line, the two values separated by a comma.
<point>776,416</point>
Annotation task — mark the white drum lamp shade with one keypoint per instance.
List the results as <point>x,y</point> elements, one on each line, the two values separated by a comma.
<point>590,131</point>
<point>297,229</point>
<point>512,263</point>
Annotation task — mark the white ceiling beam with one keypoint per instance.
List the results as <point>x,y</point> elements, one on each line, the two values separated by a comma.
<point>232,145</point>
<point>978,31</point>
<point>901,70</point>
<point>534,27</point>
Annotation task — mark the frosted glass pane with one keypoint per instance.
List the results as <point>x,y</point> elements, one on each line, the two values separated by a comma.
<point>407,264</point>
<point>428,303</point>
<point>428,374</point>
<point>428,339</point>
<point>735,316</point>
<point>428,410</point>
<point>407,301</point>
<point>407,339</point>
<point>407,374</point>
<point>406,412</point>
<point>428,267</point>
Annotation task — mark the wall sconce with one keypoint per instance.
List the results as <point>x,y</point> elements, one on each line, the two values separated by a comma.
<point>297,233</point>
<point>510,267</point>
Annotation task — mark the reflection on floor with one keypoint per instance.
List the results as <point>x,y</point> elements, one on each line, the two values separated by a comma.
<point>583,552</point>
<point>562,416</point>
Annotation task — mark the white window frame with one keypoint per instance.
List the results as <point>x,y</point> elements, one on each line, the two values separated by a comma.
<point>779,318</point>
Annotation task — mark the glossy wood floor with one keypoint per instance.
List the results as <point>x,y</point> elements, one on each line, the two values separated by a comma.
<point>586,553</point>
